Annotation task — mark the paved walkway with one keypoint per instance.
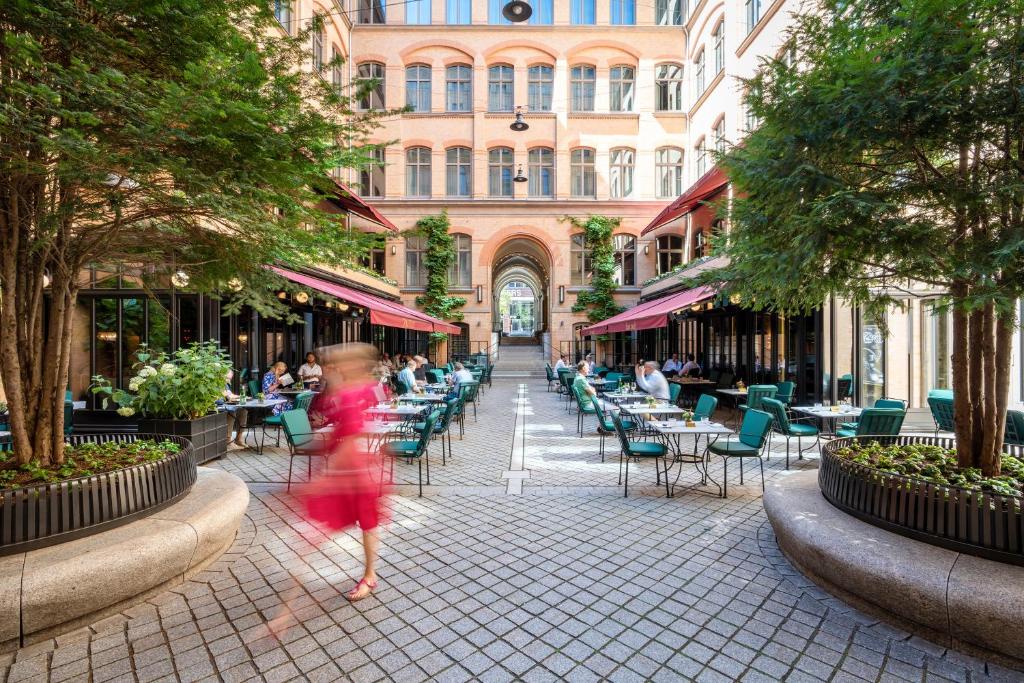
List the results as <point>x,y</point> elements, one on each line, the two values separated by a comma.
<point>494,576</point>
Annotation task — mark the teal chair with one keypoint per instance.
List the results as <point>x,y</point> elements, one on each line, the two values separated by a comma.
<point>69,416</point>
<point>468,393</point>
<point>1014,428</point>
<point>435,375</point>
<point>897,403</point>
<point>756,392</point>
<point>613,377</point>
<point>785,392</point>
<point>941,406</point>
<point>674,389</point>
<point>550,374</point>
<point>749,443</point>
<point>486,377</point>
<point>605,426</point>
<point>584,406</point>
<point>640,450</point>
<point>876,422</point>
<point>788,428</point>
<point>412,449</point>
<point>705,407</point>
<point>304,400</point>
<point>566,380</point>
<point>401,387</point>
<point>302,441</point>
<point>442,427</point>
<point>254,388</point>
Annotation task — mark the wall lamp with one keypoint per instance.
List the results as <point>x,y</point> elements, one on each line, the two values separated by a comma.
<point>479,294</point>
<point>394,250</point>
<point>561,294</point>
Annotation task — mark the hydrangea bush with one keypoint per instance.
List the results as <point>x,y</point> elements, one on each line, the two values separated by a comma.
<point>184,385</point>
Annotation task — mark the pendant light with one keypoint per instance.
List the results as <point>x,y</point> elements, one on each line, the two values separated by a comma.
<point>519,125</point>
<point>520,178</point>
<point>517,11</point>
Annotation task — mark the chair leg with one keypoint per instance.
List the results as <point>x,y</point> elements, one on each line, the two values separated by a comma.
<point>761,463</point>
<point>420,464</point>
<point>426,455</point>
<point>741,471</point>
<point>725,476</point>
<point>291,459</point>
<point>625,494</point>
<point>309,468</point>
<point>787,451</point>
<point>668,494</point>
<point>620,468</point>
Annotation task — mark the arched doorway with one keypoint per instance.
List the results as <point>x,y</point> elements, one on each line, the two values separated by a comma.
<point>520,282</point>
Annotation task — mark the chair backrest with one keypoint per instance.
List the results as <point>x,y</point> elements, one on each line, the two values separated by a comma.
<point>549,372</point>
<point>713,376</point>
<point>254,388</point>
<point>303,400</point>
<point>756,392</point>
<point>1014,428</point>
<point>297,430</point>
<point>428,430</point>
<point>621,431</point>
<point>725,380</point>
<point>467,391</point>
<point>613,376</point>
<point>435,376</point>
<point>674,389</point>
<point>402,387</point>
<point>583,399</point>
<point>880,422</point>
<point>785,391</point>
<point>566,380</point>
<point>777,409</point>
<point>451,407</point>
<point>897,403</point>
<point>755,428</point>
<point>706,405</point>
<point>942,412</point>
<point>845,387</point>
<point>941,393</point>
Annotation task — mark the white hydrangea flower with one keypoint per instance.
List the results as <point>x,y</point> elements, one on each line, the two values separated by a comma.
<point>167,369</point>
<point>126,411</point>
<point>134,383</point>
<point>147,371</point>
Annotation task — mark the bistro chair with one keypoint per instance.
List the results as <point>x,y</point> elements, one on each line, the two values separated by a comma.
<point>674,389</point>
<point>788,428</point>
<point>897,403</point>
<point>550,375</point>
<point>876,422</point>
<point>401,387</point>
<point>254,388</point>
<point>304,400</point>
<point>749,443</point>
<point>725,380</point>
<point>567,380</point>
<point>755,393</point>
<point>468,391</point>
<point>705,407</point>
<point>562,372</point>
<point>442,426</point>
<point>942,412</point>
<point>637,450</point>
<point>584,406</point>
<point>846,386</point>
<point>435,376</point>
<point>302,441</point>
<point>486,377</point>
<point>605,426</point>
<point>412,449</point>
<point>1014,428</point>
<point>785,392</point>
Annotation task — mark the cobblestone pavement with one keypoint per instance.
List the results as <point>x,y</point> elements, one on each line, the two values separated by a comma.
<point>567,581</point>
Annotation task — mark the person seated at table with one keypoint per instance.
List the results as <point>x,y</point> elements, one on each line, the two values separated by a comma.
<point>408,375</point>
<point>672,366</point>
<point>580,382</point>
<point>385,360</point>
<point>310,371</point>
<point>560,363</point>
<point>237,415</point>
<point>691,368</point>
<point>271,385</point>
<point>589,360</point>
<point>650,379</point>
<point>459,376</point>
<point>420,369</point>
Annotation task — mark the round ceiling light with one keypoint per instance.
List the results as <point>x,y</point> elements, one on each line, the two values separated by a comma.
<point>517,11</point>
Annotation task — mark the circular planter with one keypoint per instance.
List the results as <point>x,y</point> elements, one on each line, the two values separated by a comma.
<point>978,523</point>
<point>46,514</point>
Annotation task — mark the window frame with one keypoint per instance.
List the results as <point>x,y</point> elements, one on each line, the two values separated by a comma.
<point>668,172</point>
<point>664,14</point>
<point>501,85</point>
<point>699,83</point>
<point>666,86</point>
<point>456,9</point>
<point>460,274</point>
<point>538,168</point>
<point>337,72</point>
<point>416,274</point>
<point>577,95</point>
<point>621,172</point>
<point>366,102</point>
<point>458,87</point>
<point>622,90</point>
<point>372,12</point>
<point>418,4</point>
<point>624,246</point>
<point>752,12</point>
<point>317,45</point>
<point>419,82</point>
<point>420,185</point>
<point>283,13</point>
<point>669,252</point>
<point>719,135</point>
<point>458,173</point>
<point>581,261</point>
<point>700,161</point>
<point>540,85</point>
<point>622,12</point>
<point>542,10</point>
<point>367,175</point>
<point>718,43</point>
<point>583,172</point>
<point>583,12</point>
<point>500,171</point>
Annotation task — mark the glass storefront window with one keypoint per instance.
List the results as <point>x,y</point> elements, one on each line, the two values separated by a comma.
<point>872,361</point>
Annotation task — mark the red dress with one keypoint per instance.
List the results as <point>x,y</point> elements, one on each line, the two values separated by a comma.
<point>346,494</point>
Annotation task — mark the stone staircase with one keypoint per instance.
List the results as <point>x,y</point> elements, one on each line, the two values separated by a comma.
<point>519,361</point>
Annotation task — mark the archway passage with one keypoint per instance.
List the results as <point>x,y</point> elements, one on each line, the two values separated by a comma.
<point>517,307</point>
<point>520,280</point>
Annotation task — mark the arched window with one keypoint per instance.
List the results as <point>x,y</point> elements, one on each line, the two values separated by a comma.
<point>581,261</point>
<point>540,84</point>
<point>499,172</point>
<point>718,40</point>
<point>668,87</point>
<point>698,74</point>
<point>459,88</point>
<point>583,87</point>
<point>317,38</point>
<point>283,13</point>
<point>719,132</point>
<point>461,272</point>
<point>622,86</point>
<point>625,260</point>
<point>668,12</point>
<point>583,177</point>
<point>670,252</point>
<point>542,172</point>
<point>415,261</point>
<point>700,165</point>
<point>417,172</point>
<point>620,172</point>
<point>500,82</point>
<point>669,171</point>
<point>458,179</point>
<point>371,85</point>
<point>417,87</point>
<point>623,12</point>
<point>337,72</point>
<point>371,174</point>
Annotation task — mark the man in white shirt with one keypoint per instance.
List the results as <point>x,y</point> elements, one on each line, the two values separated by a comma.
<point>650,379</point>
<point>408,376</point>
<point>690,366</point>
<point>459,376</point>
<point>672,366</point>
<point>560,364</point>
<point>589,359</point>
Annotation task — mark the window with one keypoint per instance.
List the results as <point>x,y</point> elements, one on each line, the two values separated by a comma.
<point>788,54</point>
<point>494,15</point>
<point>670,252</point>
<point>374,260</point>
<point>701,158</point>
<point>668,12</point>
<point>753,8</point>
<point>542,172</point>
<point>283,13</point>
<point>669,171</point>
<point>371,176</point>
<point>583,12</point>
<point>583,177</point>
<point>499,172</point>
<point>623,85</point>
<point>417,87</point>
<point>623,12</point>
<point>371,85</point>
<point>939,329</point>
<point>459,12</point>
<point>459,88</point>
<point>499,88</point>
<point>584,83</point>
<point>718,39</point>
<point>461,272</point>
<point>318,45</point>
<point>371,11</point>
<point>458,179</point>
<point>701,244</point>
<point>337,73</point>
<point>543,12</point>
<point>698,74</point>
<point>415,261</point>
<point>417,12</point>
<point>541,78</point>
<point>749,115</point>
<point>620,175</point>
<point>720,136</point>
<point>668,87</point>
<point>581,261</point>
<point>417,172</point>
<point>625,260</point>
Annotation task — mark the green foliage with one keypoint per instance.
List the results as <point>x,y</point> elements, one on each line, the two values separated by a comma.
<point>183,385</point>
<point>86,460</point>
<point>439,258</point>
<point>598,301</point>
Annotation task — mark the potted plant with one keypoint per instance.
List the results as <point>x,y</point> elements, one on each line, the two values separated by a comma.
<point>177,394</point>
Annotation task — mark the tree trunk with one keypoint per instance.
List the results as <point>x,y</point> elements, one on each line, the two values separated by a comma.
<point>963,423</point>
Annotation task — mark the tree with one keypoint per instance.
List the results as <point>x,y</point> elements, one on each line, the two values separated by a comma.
<point>889,152</point>
<point>438,260</point>
<point>165,137</point>
<point>599,300</point>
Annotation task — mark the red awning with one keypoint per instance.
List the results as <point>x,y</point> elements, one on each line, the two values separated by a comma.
<point>709,184</point>
<point>651,314</point>
<point>353,203</point>
<point>382,311</point>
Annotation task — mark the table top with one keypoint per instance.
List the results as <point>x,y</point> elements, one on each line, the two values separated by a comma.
<point>733,392</point>
<point>645,409</point>
<point>400,410</point>
<point>296,392</point>
<point>690,380</point>
<point>623,395</point>
<point>265,403</point>
<point>828,412</point>
<point>78,405</point>
<point>679,427</point>
<point>422,398</point>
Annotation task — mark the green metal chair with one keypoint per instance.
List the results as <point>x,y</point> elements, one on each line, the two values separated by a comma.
<point>550,374</point>
<point>584,406</point>
<point>254,388</point>
<point>442,427</point>
<point>785,392</point>
<point>674,389</point>
<point>69,416</point>
<point>876,422</point>
<point>749,443</point>
<point>705,407</point>
<point>435,375</point>
<point>468,393</point>
<point>897,403</point>
<point>401,387</point>
<point>304,400</point>
<point>566,380</point>
<point>486,377</point>
<point>1014,428</point>
<point>942,412</point>
<point>605,426</point>
<point>613,377</point>
<point>640,450</point>
<point>412,449</point>
<point>790,428</point>
<point>459,416</point>
<point>302,441</point>
<point>755,393</point>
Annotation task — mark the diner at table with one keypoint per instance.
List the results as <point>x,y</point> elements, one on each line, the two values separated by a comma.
<point>650,379</point>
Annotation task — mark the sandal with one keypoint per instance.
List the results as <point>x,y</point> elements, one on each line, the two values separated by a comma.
<point>354,596</point>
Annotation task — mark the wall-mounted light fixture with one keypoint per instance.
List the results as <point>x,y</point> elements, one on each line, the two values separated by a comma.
<point>647,249</point>
<point>302,297</point>
<point>180,279</point>
<point>479,294</point>
<point>520,177</point>
<point>107,335</point>
<point>282,295</point>
<point>561,294</point>
<point>342,307</point>
<point>243,338</point>
<point>519,125</point>
<point>517,11</point>
<point>394,250</point>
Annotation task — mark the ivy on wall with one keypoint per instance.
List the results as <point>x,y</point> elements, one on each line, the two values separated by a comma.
<point>438,260</point>
<point>598,301</point>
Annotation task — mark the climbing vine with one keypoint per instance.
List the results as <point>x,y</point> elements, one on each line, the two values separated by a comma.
<point>439,258</point>
<point>599,300</point>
